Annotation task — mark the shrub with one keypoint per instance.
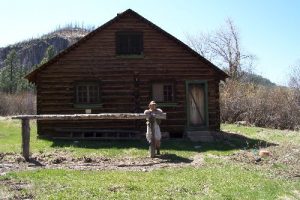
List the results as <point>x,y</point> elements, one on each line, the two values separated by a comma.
<point>274,107</point>
<point>13,104</point>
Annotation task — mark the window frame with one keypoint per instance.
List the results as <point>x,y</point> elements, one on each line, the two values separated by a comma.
<point>128,34</point>
<point>87,84</point>
<point>166,82</point>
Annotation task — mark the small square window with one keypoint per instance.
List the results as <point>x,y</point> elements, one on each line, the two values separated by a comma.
<point>129,43</point>
<point>163,92</point>
<point>87,93</point>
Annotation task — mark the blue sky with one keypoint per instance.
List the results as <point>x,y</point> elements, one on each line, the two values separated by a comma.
<point>269,29</point>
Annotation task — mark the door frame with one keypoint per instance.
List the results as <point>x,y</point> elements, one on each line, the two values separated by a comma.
<point>188,125</point>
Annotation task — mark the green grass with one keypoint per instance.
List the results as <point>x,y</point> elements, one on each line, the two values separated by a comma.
<point>188,183</point>
<point>10,141</point>
<point>267,134</point>
<point>10,137</point>
<point>213,181</point>
<point>218,178</point>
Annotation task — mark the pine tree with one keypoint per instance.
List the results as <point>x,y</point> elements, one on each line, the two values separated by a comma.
<point>49,54</point>
<point>12,75</point>
<point>8,74</point>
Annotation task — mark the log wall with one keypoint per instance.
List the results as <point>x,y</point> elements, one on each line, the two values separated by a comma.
<point>125,82</point>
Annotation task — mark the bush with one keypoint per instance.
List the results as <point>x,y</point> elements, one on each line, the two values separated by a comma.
<point>13,104</point>
<point>274,107</point>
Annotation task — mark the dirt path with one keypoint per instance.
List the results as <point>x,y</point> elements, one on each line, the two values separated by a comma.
<point>284,160</point>
<point>61,160</point>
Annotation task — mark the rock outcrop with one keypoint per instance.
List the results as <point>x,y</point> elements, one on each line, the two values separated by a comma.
<point>32,51</point>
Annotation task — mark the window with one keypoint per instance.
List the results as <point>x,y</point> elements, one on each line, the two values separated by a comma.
<point>163,92</point>
<point>129,43</point>
<point>87,93</point>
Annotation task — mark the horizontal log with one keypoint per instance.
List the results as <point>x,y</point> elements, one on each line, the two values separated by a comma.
<point>143,69</point>
<point>90,116</point>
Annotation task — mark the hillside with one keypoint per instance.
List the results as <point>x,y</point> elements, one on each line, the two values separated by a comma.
<point>32,51</point>
<point>257,79</point>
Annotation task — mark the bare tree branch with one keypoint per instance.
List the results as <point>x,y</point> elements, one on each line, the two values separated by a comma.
<point>222,47</point>
<point>294,81</point>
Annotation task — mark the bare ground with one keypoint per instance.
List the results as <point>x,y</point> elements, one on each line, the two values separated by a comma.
<point>283,161</point>
<point>62,160</point>
<point>15,190</point>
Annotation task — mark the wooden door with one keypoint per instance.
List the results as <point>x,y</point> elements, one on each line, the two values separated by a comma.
<point>196,100</point>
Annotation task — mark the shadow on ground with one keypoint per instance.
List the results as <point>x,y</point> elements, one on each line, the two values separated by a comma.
<point>173,158</point>
<point>223,141</point>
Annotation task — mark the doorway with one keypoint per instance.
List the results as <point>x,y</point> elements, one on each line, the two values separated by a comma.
<point>197,105</point>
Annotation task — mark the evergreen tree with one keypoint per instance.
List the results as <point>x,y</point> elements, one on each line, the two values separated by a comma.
<point>12,75</point>
<point>49,54</point>
<point>8,74</point>
<point>22,83</point>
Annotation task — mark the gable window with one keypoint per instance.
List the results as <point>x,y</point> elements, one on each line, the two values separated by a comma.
<point>88,93</point>
<point>129,43</point>
<point>163,92</point>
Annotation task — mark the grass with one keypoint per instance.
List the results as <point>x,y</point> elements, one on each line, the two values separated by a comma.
<point>10,141</point>
<point>218,178</point>
<point>213,181</point>
<point>266,134</point>
<point>10,132</point>
<point>10,137</point>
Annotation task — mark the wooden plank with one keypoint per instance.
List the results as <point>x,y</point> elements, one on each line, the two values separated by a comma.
<point>90,116</point>
<point>97,138</point>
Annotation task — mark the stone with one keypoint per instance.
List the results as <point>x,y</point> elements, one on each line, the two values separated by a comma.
<point>264,153</point>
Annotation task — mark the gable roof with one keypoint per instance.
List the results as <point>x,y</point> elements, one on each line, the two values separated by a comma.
<point>32,75</point>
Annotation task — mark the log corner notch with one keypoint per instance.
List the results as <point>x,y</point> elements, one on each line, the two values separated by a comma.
<point>125,116</point>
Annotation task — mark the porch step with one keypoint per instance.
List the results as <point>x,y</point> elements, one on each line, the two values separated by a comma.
<point>200,136</point>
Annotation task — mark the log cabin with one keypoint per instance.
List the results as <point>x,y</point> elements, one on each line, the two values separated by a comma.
<point>119,68</point>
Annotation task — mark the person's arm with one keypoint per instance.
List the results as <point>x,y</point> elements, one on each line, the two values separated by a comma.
<point>159,111</point>
<point>147,111</point>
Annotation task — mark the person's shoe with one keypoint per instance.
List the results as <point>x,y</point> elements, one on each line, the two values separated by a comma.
<point>158,152</point>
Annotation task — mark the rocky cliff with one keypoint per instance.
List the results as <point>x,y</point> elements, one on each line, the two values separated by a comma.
<point>32,51</point>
